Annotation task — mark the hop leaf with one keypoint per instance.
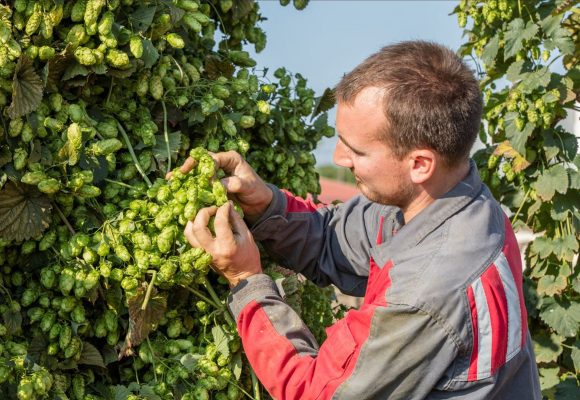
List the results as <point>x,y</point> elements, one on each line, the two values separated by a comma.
<point>24,212</point>
<point>26,89</point>
<point>141,322</point>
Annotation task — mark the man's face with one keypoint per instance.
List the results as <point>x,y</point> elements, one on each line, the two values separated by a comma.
<point>380,176</point>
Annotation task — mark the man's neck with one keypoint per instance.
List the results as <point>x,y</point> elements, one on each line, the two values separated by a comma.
<point>440,183</point>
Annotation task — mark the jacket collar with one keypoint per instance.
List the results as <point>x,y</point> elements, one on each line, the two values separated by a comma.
<point>434,215</point>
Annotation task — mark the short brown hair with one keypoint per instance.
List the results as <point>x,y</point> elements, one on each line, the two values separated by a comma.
<point>431,98</point>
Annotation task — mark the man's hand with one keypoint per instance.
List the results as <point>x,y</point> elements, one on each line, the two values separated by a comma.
<point>234,252</point>
<point>242,183</point>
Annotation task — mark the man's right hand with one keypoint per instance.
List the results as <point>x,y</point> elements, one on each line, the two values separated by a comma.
<point>242,183</point>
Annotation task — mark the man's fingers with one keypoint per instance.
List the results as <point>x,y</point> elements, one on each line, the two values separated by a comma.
<point>187,165</point>
<point>185,168</point>
<point>238,224</point>
<point>223,230</point>
<point>188,232</point>
<point>199,228</point>
<point>232,184</point>
<point>228,161</point>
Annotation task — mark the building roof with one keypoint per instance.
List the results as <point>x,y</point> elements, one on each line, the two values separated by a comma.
<point>332,190</point>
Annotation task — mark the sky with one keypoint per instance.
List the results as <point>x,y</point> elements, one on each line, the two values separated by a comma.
<point>329,38</point>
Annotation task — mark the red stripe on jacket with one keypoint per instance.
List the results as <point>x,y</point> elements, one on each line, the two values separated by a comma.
<point>497,305</point>
<point>511,251</point>
<point>295,204</point>
<point>472,372</point>
<point>289,375</point>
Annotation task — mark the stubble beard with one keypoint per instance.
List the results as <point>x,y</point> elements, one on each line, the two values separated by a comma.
<point>402,198</point>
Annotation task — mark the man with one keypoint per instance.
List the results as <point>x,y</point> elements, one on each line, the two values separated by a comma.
<point>432,252</point>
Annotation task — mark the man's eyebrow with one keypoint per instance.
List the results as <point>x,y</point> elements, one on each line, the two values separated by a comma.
<point>349,146</point>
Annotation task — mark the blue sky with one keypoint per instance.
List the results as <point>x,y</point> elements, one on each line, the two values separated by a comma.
<point>329,38</point>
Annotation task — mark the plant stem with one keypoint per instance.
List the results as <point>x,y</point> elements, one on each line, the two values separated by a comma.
<point>216,299</point>
<point>152,359</point>
<point>136,374</point>
<point>118,183</point>
<point>63,218</point>
<point>149,290</point>
<point>178,67</point>
<point>166,137</point>
<point>133,156</point>
<point>521,205</point>
<point>235,383</point>
<point>202,296</point>
<point>110,91</point>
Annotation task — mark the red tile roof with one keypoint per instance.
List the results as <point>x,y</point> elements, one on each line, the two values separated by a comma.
<point>332,190</point>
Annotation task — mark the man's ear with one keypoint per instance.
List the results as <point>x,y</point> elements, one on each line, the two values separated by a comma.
<point>422,165</point>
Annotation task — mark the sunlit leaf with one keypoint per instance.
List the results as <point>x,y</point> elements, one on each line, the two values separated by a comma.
<point>549,377</point>
<point>490,51</point>
<point>563,317</point>
<point>536,79</point>
<point>565,247</point>
<point>551,285</point>
<point>564,205</point>
<point>516,33</point>
<point>190,360</point>
<point>514,71</point>
<point>220,338</point>
<point>237,365</point>
<point>552,179</point>
<point>547,348</point>
<point>560,142</point>
<point>558,37</point>
<point>542,246</point>
<point>505,149</point>
<point>27,89</point>
<point>25,212</point>
<point>518,138</point>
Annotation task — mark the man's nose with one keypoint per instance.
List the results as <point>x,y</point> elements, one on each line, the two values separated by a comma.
<point>340,156</point>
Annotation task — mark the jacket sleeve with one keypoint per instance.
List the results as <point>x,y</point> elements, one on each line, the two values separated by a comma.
<point>378,351</point>
<point>315,241</point>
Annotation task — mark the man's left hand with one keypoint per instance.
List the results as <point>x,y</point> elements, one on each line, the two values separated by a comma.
<point>233,250</point>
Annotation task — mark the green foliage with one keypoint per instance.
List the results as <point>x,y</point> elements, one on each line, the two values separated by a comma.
<point>531,162</point>
<point>102,297</point>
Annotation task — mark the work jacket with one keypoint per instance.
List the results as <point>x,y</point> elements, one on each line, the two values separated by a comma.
<point>443,315</point>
